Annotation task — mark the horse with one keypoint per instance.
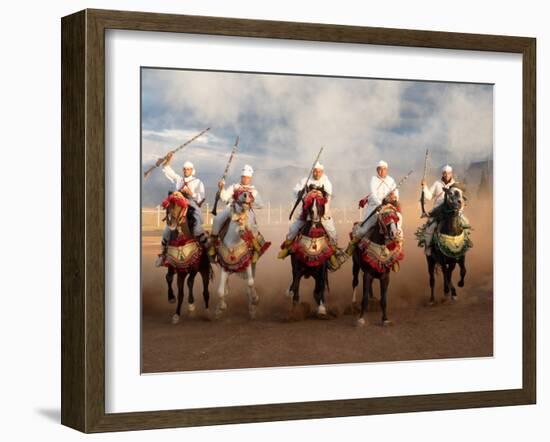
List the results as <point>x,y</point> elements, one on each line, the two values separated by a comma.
<point>185,257</point>
<point>311,251</point>
<point>377,253</point>
<point>450,242</point>
<point>237,250</point>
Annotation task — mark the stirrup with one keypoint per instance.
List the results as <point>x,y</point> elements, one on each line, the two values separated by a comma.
<point>285,249</point>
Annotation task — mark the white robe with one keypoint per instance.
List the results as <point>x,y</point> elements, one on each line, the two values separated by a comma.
<point>191,182</point>
<point>436,192</point>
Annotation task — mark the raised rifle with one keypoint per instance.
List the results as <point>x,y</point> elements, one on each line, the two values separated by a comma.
<point>163,160</point>
<point>384,200</point>
<point>303,190</point>
<point>218,193</point>
<point>422,199</point>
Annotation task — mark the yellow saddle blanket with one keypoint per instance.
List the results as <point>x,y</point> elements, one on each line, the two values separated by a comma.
<point>184,256</point>
<point>451,244</point>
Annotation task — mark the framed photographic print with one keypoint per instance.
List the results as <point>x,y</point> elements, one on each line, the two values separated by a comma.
<point>271,220</point>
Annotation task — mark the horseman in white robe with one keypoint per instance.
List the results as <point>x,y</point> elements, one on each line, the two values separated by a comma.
<point>193,189</point>
<point>318,181</point>
<point>226,195</point>
<point>437,193</point>
<point>382,189</point>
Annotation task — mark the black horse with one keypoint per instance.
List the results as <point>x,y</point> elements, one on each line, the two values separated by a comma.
<point>449,223</point>
<point>311,252</point>
<point>188,258</point>
<point>377,253</point>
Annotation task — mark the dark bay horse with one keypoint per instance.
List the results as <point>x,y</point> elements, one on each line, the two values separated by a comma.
<point>376,255</point>
<point>450,242</point>
<point>185,257</point>
<point>311,251</point>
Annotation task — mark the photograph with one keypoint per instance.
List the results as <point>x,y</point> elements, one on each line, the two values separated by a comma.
<point>298,220</point>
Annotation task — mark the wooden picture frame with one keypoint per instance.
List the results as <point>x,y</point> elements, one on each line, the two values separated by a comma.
<point>83,210</point>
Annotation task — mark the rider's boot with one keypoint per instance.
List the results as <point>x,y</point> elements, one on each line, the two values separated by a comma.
<point>285,249</point>
<point>162,255</point>
<point>351,245</point>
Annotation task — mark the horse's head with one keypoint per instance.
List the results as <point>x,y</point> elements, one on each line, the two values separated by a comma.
<point>314,204</point>
<point>243,199</point>
<point>388,222</point>
<point>176,209</point>
<point>454,199</point>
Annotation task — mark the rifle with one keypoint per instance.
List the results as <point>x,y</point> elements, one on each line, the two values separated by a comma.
<point>384,202</point>
<point>424,214</point>
<point>302,191</point>
<point>163,160</point>
<point>218,193</point>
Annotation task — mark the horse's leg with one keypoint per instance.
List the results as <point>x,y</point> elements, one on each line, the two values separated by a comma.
<point>431,271</point>
<point>446,277</point>
<point>296,276</point>
<point>452,265</point>
<point>355,281</point>
<point>190,297</point>
<point>222,306</point>
<point>181,281</point>
<point>205,275</point>
<point>462,265</point>
<point>367,288</point>
<point>253,297</point>
<point>319,291</point>
<point>169,278</point>
<point>384,284</point>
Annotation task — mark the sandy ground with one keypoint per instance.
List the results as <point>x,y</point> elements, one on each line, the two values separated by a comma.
<point>447,330</point>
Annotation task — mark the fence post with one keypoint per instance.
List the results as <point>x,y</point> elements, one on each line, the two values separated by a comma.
<point>158,216</point>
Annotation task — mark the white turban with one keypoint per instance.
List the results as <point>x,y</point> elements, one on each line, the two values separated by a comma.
<point>382,163</point>
<point>319,166</point>
<point>188,165</point>
<point>247,170</point>
<point>447,169</point>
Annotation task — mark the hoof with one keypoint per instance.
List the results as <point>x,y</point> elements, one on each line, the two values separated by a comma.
<point>453,299</point>
<point>387,323</point>
<point>252,312</point>
<point>255,300</point>
<point>431,303</point>
<point>191,310</point>
<point>361,322</point>
<point>175,319</point>
<point>461,283</point>
<point>220,309</point>
<point>289,293</point>
<point>322,312</point>
<point>172,300</point>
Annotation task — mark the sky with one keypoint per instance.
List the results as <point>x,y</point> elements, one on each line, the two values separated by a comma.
<point>283,120</point>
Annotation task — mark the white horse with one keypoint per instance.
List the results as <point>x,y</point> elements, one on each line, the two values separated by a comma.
<point>239,250</point>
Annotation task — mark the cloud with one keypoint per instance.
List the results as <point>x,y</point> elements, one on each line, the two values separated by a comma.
<point>284,120</point>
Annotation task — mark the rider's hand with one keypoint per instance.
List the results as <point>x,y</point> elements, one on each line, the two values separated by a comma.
<point>423,183</point>
<point>221,184</point>
<point>187,191</point>
<point>169,157</point>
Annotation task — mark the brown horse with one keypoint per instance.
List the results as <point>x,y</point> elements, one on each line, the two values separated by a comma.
<point>311,252</point>
<point>376,255</point>
<point>185,257</point>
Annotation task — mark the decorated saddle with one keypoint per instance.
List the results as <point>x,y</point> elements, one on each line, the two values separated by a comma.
<point>183,254</point>
<point>381,257</point>
<point>313,249</point>
<point>453,246</point>
<point>236,259</point>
